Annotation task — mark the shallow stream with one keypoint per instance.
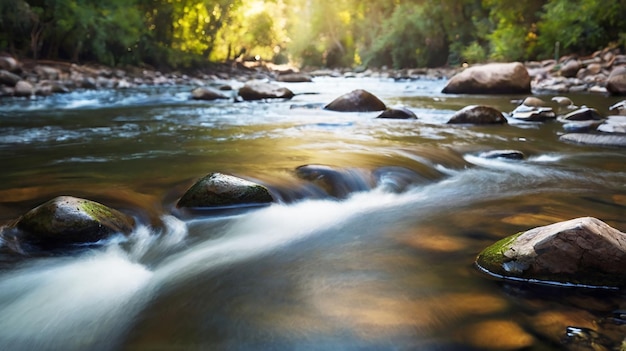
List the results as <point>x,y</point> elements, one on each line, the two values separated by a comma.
<point>385,264</point>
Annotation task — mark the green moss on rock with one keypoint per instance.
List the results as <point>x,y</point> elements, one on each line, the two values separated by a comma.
<point>67,220</point>
<point>492,258</point>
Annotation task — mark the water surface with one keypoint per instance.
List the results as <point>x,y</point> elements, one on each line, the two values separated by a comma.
<point>386,264</point>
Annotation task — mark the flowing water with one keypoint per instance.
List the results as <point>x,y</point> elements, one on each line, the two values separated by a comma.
<point>380,258</point>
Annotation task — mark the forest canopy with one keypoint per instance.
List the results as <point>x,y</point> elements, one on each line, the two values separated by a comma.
<point>330,33</point>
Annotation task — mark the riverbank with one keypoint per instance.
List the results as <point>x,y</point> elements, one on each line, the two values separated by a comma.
<point>27,78</point>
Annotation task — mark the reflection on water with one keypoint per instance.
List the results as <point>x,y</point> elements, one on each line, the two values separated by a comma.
<point>384,263</point>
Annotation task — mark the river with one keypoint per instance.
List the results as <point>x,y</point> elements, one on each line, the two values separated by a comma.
<point>385,265</point>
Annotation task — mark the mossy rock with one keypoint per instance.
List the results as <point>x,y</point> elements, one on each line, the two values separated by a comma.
<point>222,190</point>
<point>67,220</point>
<point>579,252</point>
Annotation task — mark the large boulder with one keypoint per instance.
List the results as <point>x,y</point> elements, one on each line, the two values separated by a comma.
<point>616,83</point>
<point>356,101</point>
<point>260,91</point>
<point>493,78</point>
<point>222,190</point>
<point>67,220</point>
<point>478,114</point>
<point>581,251</point>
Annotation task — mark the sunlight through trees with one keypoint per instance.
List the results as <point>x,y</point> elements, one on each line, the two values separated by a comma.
<point>332,33</point>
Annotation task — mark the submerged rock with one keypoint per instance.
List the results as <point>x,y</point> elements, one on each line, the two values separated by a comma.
<point>261,91</point>
<point>581,126</point>
<point>506,154</point>
<point>478,114</point>
<point>493,78</point>
<point>581,251</point>
<point>335,182</point>
<point>67,220</point>
<point>356,101</point>
<point>397,113</point>
<point>203,93</point>
<point>613,140</point>
<point>222,190</point>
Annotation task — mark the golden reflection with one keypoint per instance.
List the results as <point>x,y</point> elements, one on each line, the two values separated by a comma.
<point>374,311</point>
<point>496,335</point>
<point>552,324</point>
<point>433,239</point>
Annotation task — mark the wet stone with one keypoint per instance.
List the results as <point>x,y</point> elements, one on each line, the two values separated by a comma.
<point>222,190</point>
<point>504,154</point>
<point>67,220</point>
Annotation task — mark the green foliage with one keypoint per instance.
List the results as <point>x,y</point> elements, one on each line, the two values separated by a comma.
<point>332,33</point>
<point>580,25</point>
<point>474,53</point>
<point>410,37</point>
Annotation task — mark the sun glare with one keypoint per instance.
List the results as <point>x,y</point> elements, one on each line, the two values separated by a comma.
<point>254,7</point>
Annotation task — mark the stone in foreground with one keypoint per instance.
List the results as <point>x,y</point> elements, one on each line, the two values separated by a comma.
<point>356,101</point>
<point>493,78</point>
<point>478,114</point>
<point>583,251</point>
<point>222,190</point>
<point>67,220</point>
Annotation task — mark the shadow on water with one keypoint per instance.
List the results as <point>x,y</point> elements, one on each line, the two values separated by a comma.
<point>369,246</point>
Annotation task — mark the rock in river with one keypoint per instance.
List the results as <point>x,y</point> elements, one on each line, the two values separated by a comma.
<point>493,78</point>
<point>356,101</point>
<point>222,190</point>
<point>203,93</point>
<point>67,220</point>
<point>397,113</point>
<point>478,114</point>
<point>261,91</point>
<point>581,251</point>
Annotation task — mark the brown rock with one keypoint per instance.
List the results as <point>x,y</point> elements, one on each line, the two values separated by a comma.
<point>203,93</point>
<point>356,101</point>
<point>493,78</point>
<point>9,64</point>
<point>261,91</point>
<point>582,251</point>
<point>477,114</point>
<point>616,83</point>
<point>24,88</point>
<point>570,68</point>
